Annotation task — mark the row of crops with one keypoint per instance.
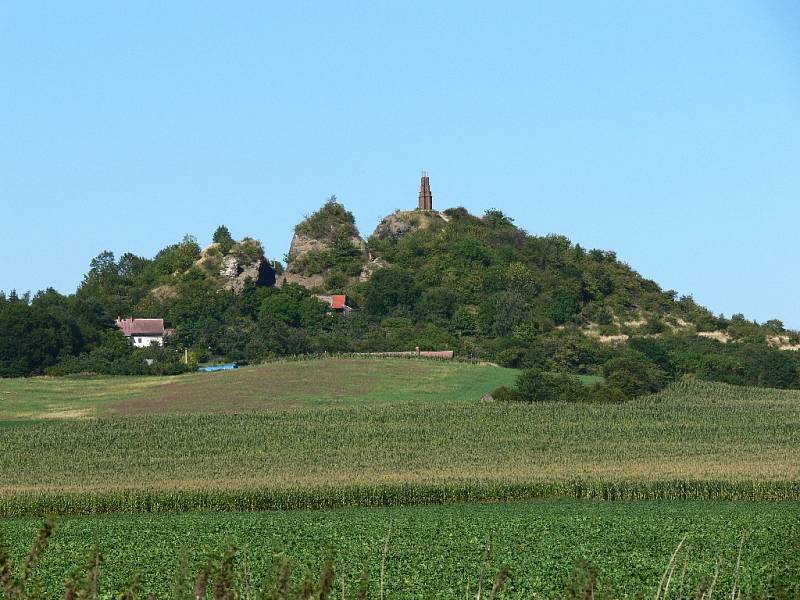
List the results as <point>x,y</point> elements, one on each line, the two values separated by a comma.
<point>547,548</point>
<point>397,495</point>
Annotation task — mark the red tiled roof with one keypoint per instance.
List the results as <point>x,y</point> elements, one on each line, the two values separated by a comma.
<point>131,327</point>
<point>338,301</point>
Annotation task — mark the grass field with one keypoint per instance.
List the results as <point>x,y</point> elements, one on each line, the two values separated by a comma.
<point>269,387</point>
<point>433,551</point>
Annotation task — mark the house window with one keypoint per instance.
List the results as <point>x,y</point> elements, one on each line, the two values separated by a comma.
<point>138,340</point>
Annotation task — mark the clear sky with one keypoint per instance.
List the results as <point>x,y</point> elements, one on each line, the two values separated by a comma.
<point>666,131</point>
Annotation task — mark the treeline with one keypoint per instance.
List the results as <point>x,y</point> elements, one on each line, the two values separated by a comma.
<point>480,286</point>
<point>647,364</point>
<point>58,335</point>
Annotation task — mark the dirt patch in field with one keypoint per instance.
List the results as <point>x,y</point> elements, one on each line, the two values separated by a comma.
<point>67,413</point>
<point>64,413</point>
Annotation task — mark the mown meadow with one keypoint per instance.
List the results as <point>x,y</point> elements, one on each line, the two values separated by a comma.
<point>280,385</point>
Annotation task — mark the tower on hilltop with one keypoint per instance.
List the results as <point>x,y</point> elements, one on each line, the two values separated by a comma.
<point>425,197</point>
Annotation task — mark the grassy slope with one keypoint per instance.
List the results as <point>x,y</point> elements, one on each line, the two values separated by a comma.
<point>274,386</point>
<point>367,422</point>
<point>434,550</point>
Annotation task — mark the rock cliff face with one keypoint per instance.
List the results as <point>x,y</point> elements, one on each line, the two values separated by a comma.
<point>372,265</point>
<point>245,261</point>
<point>235,275</point>
<point>303,244</point>
<point>327,253</point>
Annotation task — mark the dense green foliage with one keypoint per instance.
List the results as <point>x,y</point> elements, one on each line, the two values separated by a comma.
<point>344,257</point>
<point>548,548</point>
<point>480,286</point>
<point>332,222</point>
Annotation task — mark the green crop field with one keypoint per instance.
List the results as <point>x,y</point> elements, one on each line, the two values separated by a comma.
<point>369,433</point>
<point>435,551</point>
<point>693,432</point>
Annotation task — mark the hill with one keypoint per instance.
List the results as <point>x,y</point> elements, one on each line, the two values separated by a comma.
<point>436,280</point>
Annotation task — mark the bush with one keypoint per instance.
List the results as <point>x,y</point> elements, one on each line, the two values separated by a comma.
<point>511,357</point>
<point>602,393</point>
<point>331,222</point>
<point>634,374</point>
<point>116,356</point>
<point>534,385</point>
<point>654,326</point>
<point>505,394</point>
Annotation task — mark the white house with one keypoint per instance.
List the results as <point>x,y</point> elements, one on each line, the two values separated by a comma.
<point>142,332</point>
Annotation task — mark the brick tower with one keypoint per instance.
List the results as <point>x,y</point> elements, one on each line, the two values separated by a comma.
<point>425,197</point>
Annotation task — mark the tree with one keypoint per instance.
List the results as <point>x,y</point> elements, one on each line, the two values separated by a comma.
<point>222,236</point>
<point>534,385</point>
<point>390,289</point>
<point>634,374</point>
<point>36,334</point>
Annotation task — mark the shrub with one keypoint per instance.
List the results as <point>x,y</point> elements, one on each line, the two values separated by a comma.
<point>505,394</point>
<point>602,393</point>
<point>654,326</point>
<point>534,385</point>
<point>331,222</point>
<point>511,357</point>
<point>634,374</point>
<point>248,251</point>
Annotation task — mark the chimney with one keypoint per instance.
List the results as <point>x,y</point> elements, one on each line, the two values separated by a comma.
<point>425,197</point>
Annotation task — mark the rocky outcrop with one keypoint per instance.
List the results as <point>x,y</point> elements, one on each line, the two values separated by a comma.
<point>236,275</point>
<point>313,282</point>
<point>403,222</point>
<point>244,262</point>
<point>372,265</point>
<point>326,251</point>
<point>303,244</point>
<point>230,267</point>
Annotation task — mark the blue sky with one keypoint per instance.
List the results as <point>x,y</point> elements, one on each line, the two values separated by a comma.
<point>666,131</point>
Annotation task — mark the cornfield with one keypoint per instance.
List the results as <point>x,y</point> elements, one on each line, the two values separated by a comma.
<point>692,441</point>
<point>400,495</point>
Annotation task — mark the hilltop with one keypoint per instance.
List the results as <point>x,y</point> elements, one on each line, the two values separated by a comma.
<point>327,252</point>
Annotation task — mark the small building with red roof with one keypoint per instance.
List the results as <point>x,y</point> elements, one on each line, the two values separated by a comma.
<point>337,302</point>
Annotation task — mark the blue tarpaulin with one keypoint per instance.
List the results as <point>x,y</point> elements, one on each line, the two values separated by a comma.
<point>225,367</point>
